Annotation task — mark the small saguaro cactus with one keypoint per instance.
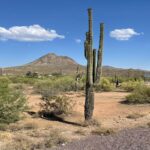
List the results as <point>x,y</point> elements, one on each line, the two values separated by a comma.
<point>93,71</point>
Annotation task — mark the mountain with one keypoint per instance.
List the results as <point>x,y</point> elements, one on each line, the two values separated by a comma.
<point>51,63</point>
<point>47,64</point>
<point>53,60</point>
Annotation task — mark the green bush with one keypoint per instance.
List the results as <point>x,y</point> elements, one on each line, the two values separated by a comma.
<point>12,103</point>
<point>105,85</point>
<point>21,79</point>
<point>4,81</point>
<point>140,95</point>
<point>60,84</point>
<point>130,86</point>
<point>58,105</point>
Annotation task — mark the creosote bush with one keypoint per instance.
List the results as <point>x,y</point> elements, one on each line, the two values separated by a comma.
<point>57,105</point>
<point>105,85</point>
<point>130,86</point>
<point>22,79</point>
<point>12,104</point>
<point>62,84</point>
<point>4,81</point>
<point>140,95</point>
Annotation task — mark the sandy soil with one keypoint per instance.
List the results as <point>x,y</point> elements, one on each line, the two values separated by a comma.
<point>108,110</point>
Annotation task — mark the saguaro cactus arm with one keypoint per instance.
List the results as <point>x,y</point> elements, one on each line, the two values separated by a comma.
<point>94,65</point>
<point>100,54</point>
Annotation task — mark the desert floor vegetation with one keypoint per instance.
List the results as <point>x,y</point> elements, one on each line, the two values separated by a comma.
<point>62,121</point>
<point>140,95</point>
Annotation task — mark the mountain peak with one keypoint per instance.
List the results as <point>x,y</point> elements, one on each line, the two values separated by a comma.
<point>53,59</point>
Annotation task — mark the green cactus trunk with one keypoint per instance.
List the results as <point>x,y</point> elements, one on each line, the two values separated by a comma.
<point>100,54</point>
<point>89,100</point>
<point>76,79</point>
<point>94,65</point>
<point>93,71</point>
<point>1,71</point>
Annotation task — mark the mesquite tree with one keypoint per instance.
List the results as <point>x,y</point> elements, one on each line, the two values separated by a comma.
<point>93,71</point>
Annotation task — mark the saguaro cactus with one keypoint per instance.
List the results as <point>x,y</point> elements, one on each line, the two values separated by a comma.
<point>89,101</point>
<point>1,71</point>
<point>100,54</point>
<point>93,71</point>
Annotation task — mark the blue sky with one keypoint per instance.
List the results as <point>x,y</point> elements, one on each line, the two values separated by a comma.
<point>126,20</point>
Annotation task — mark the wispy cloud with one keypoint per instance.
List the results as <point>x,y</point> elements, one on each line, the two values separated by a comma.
<point>33,33</point>
<point>78,40</point>
<point>123,34</point>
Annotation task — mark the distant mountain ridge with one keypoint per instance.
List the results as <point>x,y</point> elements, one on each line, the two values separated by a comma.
<point>47,64</point>
<point>52,63</point>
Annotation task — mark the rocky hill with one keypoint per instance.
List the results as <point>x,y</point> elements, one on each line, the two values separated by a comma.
<point>47,64</point>
<point>51,63</point>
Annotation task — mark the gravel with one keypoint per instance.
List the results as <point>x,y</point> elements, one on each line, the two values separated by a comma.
<point>129,139</point>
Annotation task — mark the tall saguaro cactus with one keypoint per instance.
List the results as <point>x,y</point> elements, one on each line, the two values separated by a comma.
<point>93,71</point>
<point>100,54</point>
<point>89,101</point>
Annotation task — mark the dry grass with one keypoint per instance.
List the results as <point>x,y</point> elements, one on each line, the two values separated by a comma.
<point>24,142</point>
<point>135,116</point>
<point>26,126</point>
<point>103,131</point>
<point>30,126</point>
<point>92,122</point>
<point>3,127</point>
<point>55,138</point>
<point>80,132</point>
<point>19,143</point>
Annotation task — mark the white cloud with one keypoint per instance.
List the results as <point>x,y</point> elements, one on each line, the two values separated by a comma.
<point>33,33</point>
<point>78,40</point>
<point>123,34</point>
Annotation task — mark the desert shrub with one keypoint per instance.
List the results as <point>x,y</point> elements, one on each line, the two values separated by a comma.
<point>49,92</point>
<point>55,85</point>
<point>55,138</point>
<point>22,79</point>
<point>17,86</point>
<point>4,81</point>
<point>12,103</point>
<point>92,122</point>
<point>105,85</point>
<point>140,95</point>
<point>130,86</point>
<point>57,105</point>
<point>103,131</point>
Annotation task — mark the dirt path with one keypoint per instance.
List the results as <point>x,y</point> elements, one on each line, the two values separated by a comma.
<point>133,139</point>
<point>108,111</point>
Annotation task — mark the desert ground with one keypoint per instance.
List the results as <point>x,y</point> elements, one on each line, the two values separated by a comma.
<point>109,113</point>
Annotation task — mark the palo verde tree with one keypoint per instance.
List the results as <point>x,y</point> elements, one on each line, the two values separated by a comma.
<point>94,69</point>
